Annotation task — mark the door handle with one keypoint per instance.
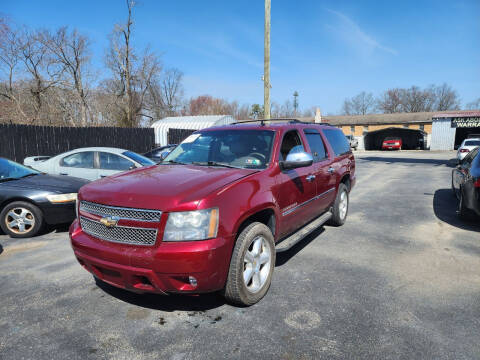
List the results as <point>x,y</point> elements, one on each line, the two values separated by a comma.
<point>310,178</point>
<point>63,174</point>
<point>331,170</point>
<point>102,176</point>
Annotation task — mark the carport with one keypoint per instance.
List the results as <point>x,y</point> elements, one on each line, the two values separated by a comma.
<point>412,138</point>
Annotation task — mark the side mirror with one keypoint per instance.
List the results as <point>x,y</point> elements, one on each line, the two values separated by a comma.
<point>296,160</point>
<point>132,167</point>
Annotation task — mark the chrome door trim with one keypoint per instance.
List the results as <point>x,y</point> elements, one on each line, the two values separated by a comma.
<point>289,211</point>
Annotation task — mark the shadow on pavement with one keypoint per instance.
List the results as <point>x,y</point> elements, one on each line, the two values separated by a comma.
<point>168,303</point>
<point>437,162</point>
<point>284,257</point>
<point>445,209</point>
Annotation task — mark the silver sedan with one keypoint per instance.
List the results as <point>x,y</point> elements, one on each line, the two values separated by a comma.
<point>89,163</point>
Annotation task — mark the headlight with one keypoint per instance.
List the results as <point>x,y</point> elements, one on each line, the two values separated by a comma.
<point>191,225</point>
<point>62,198</point>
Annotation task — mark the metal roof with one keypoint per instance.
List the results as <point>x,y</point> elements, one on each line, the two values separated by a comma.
<point>198,122</point>
<point>395,118</point>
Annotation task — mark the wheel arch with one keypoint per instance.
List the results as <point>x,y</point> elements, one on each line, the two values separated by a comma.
<point>266,215</point>
<point>346,180</point>
<point>18,198</point>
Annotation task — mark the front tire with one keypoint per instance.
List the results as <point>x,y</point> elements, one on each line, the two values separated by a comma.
<point>340,206</point>
<point>251,266</point>
<point>21,219</point>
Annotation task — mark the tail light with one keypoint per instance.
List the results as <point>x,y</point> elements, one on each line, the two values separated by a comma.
<point>464,150</point>
<point>477,183</point>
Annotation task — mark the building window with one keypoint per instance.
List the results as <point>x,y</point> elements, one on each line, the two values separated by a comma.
<point>422,127</point>
<point>365,129</point>
<point>405,126</point>
<point>352,130</point>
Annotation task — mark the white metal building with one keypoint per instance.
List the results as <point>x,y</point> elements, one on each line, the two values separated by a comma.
<point>450,129</point>
<point>161,127</point>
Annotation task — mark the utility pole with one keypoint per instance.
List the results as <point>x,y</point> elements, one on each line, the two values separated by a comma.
<point>295,103</point>
<point>266,71</point>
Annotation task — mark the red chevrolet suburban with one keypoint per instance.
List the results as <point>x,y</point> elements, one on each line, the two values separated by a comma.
<point>214,213</point>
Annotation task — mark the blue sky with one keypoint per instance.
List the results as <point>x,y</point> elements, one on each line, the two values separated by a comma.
<point>325,50</point>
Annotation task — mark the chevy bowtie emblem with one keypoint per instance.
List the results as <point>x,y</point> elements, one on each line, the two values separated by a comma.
<point>110,221</point>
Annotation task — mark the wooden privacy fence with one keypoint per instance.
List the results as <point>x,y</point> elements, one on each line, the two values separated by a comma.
<point>19,141</point>
<point>176,136</point>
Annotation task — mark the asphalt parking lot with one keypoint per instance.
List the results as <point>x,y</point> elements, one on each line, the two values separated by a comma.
<point>400,280</point>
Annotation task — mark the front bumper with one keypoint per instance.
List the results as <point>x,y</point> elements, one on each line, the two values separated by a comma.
<point>58,213</point>
<point>162,268</point>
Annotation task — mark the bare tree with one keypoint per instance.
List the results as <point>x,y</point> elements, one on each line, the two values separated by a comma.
<point>445,98</point>
<point>71,51</point>
<point>166,94</point>
<point>474,105</point>
<point>133,75</point>
<point>361,104</point>
<point>44,73</point>
<point>10,49</point>
<point>391,101</point>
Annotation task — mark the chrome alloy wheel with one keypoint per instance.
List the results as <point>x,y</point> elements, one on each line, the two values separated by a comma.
<point>257,261</point>
<point>343,205</point>
<point>20,220</point>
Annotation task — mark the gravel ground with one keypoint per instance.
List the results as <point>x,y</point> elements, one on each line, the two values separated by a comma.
<point>400,280</point>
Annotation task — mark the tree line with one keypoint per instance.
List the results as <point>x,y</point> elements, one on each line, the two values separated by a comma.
<point>413,99</point>
<point>47,78</point>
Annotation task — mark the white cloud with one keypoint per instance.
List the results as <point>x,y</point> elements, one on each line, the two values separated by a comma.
<point>358,38</point>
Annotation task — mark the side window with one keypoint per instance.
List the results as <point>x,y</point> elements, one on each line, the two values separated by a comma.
<point>316,144</point>
<point>291,144</point>
<point>78,160</point>
<point>338,141</point>
<point>114,162</point>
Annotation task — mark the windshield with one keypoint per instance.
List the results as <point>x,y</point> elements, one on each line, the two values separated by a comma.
<point>391,138</point>
<point>12,170</point>
<point>247,149</point>
<point>144,161</point>
<point>472,143</point>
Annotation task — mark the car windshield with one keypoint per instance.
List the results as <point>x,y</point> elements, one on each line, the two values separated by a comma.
<point>472,143</point>
<point>144,161</point>
<point>12,170</point>
<point>247,149</point>
<point>391,138</point>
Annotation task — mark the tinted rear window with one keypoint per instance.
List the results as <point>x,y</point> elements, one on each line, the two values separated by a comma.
<point>316,144</point>
<point>338,141</point>
<point>472,143</point>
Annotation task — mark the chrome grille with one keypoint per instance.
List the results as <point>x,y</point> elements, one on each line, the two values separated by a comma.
<point>119,234</point>
<point>123,213</point>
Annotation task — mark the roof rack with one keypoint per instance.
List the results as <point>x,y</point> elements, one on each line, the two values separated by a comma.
<point>289,120</point>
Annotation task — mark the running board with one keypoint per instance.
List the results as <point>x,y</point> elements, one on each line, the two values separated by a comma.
<point>300,234</point>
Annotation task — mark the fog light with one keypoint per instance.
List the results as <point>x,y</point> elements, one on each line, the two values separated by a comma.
<point>192,281</point>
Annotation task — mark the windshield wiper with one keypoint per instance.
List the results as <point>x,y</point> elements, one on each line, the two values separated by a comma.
<point>7,179</point>
<point>173,162</point>
<point>28,175</point>
<point>214,163</point>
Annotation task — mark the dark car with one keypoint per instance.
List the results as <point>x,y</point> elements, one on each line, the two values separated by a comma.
<point>158,154</point>
<point>466,184</point>
<point>30,199</point>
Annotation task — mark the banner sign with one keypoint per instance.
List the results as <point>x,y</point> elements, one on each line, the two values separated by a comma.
<point>465,122</point>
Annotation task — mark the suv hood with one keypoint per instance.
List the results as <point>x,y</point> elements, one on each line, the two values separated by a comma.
<point>162,187</point>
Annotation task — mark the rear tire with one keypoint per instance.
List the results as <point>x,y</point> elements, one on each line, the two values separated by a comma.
<point>21,219</point>
<point>251,266</point>
<point>340,206</point>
